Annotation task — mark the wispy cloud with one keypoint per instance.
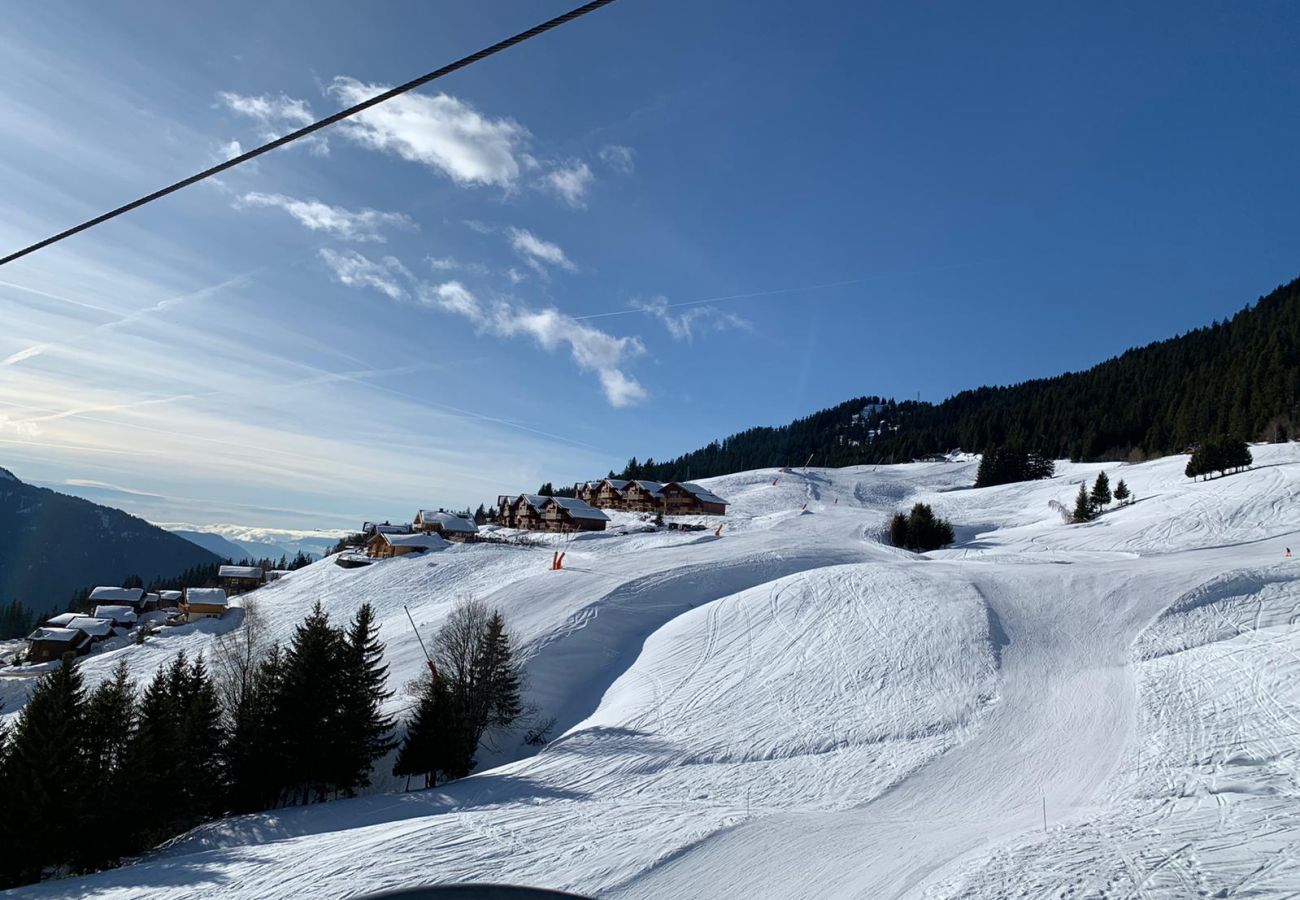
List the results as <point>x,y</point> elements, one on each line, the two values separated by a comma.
<point>349,225</point>
<point>591,349</point>
<point>537,252</point>
<point>19,427</point>
<point>386,275</point>
<point>105,486</point>
<point>273,116</point>
<point>438,131</point>
<point>684,326</point>
<point>619,158</point>
<point>27,353</point>
<point>571,181</point>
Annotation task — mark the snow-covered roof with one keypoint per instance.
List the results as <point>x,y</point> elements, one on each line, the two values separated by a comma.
<point>701,493</point>
<point>385,528</point>
<point>116,613</point>
<point>652,487</point>
<point>62,635</point>
<point>117,595</point>
<point>169,595</point>
<point>535,500</point>
<point>419,542</point>
<point>62,619</point>
<point>447,521</point>
<point>617,484</point>
<point>239,572</point>
<point>579,509</point>
<point>205,596</point>
<point>95,627</point>
<point>152,598</point>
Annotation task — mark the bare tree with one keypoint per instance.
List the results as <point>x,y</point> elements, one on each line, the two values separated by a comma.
<point>457,644</point>
<point>236,655</point>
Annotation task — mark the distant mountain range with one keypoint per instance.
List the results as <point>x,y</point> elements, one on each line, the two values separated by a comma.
<point>52,545</point>
<point>1240,376</point>
<point>245,542</point>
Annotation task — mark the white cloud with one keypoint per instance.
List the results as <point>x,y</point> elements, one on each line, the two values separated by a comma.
<point>618,158</point>
<point>438,131</point>
<point>592,350</point>
<point>537,252</point>
<point>269,110</point>
<point>27,353</point>
<point>443,263</point>
<point>684,326</point>
<point>18,427</point>
<point>345,224</point>
<point>230,150</point>
<point>354,270</point>
<point>571,182</point>
<point>273,116</point>
<point>515,275</point>
<point>453,297</point>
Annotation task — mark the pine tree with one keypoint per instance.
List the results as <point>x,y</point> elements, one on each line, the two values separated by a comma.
<point>425,749</point>
<point>369,733</point>
<point>480,515</point>
<point>110,715</point>
<point>498,676</point>
<point>201,740</point>
<point>45,778</point>
<point>313,708</point>
<point>155,771</point>
<point>256,751</point>
<point>1083,508</point>
<point>1121,492</point>
<point>1101,492</point>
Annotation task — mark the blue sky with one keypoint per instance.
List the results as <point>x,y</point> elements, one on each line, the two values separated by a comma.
<point>481,286</point>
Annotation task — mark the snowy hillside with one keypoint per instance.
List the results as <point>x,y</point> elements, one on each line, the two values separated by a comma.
<point>793,709</point>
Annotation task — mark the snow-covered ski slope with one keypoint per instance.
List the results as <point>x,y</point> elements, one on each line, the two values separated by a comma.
<point>795,710</point>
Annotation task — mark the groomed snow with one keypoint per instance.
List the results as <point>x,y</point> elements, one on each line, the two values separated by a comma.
<point>793,709</point>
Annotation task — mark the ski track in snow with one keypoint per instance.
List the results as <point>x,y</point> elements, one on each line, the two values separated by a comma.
<point>795,710</point>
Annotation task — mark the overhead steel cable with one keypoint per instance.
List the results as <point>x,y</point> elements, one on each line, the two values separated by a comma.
<point>317,126</point>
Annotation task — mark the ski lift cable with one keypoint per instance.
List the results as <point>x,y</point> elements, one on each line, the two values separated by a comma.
<point>459,64</point>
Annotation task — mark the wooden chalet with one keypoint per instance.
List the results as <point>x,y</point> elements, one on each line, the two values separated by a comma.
<point>608,493</point>
<point>526,512</point>
<point>46,644</point>
<point>239,579</point>
<point>204,603</point>
<point>170,599</point>
<point>445,524</point>
<point>369,529</point>
<point>682,498</point>
<point>61,620</point>
<point>121,616</point>
<point>133,597</point>
<point>643,496</point>
<point>386,546</point>
<point>571,514</point>
<point>96,629</point>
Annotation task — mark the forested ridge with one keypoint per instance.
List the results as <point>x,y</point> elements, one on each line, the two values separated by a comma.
<point>1240,376</point>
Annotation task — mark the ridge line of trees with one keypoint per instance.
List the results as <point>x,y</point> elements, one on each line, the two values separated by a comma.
<point>89,778</point>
